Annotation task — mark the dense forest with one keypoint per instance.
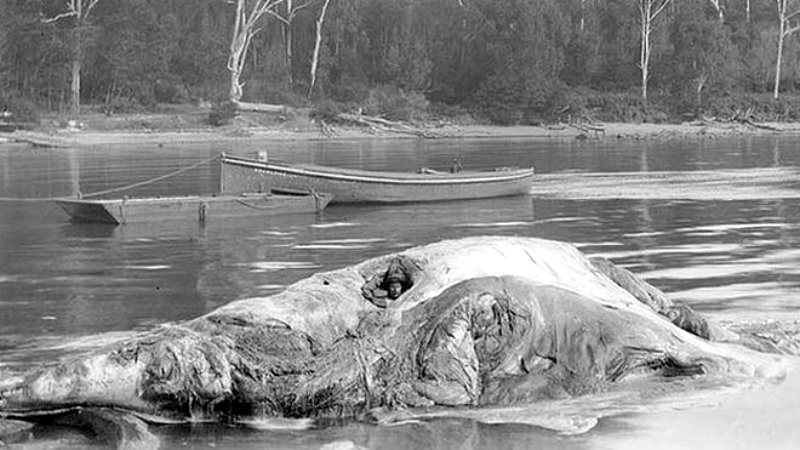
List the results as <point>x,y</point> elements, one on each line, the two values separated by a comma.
<point>504,61</point>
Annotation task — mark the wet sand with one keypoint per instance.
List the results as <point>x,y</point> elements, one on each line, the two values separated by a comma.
<point>761,418</point>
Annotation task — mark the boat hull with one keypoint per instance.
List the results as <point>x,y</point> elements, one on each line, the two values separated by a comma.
<point>357,186</point>
<point>192,208</point>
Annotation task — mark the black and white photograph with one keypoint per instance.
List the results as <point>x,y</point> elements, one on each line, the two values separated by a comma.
<point>399,224</point>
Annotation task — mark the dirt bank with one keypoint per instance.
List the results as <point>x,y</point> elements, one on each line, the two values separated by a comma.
<point>161,128</point>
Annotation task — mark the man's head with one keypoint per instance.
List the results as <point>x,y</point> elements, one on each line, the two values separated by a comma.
<point>394,288</point>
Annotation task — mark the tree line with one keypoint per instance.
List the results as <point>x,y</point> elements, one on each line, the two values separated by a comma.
<point>507,61</point>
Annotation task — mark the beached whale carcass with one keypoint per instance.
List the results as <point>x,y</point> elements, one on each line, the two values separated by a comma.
<point>480,321</point>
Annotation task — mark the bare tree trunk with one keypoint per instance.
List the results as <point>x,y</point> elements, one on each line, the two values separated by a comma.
<point>75,85</point>
<point>287,33</point>
<point>583,15</point>
<point>239,42</point>
<point>699,86</point>
<point>286,23</point>
<point>649,10</point>
<point>79,10</point>
<point>781,26</point>
<point>718,6</point>
<point>244,28</point>
<point>785,29</point>
<point>317,43</point>
<point>76,60</point>
<point>747,10</point>
<point>644,53</point>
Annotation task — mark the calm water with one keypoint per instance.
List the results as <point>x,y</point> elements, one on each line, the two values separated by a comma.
<point>731,258</point>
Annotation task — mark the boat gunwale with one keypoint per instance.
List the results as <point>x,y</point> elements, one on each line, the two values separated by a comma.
<point>400,178</point>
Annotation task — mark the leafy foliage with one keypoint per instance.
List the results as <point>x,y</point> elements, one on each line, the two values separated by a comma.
<point>701,62</point>
<point>394,103</point>
<point>327,111</point>
<point>121,105</point>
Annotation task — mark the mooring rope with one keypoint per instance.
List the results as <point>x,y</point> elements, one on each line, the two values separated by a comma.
<point>116,189</point>
<point>151,180</point>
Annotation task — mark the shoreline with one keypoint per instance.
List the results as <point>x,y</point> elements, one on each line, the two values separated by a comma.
<point>71,137</point>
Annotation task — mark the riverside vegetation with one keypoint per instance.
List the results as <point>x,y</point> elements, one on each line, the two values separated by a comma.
<point>504,62</point>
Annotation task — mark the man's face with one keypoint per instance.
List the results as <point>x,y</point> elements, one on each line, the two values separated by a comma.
<point>395,289</point>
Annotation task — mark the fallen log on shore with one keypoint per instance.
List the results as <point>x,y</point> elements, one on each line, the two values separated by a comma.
<point>260,108</point>
<point>587,128</point>
<point>383,125</point>
<point>745,118</point>
<point>750,123</point>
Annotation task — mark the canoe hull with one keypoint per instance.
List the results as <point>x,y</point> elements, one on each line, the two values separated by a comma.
<point>195,208</point>
<point>356,186</point>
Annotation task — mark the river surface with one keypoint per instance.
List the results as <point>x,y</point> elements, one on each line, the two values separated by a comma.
<point>713,222</point>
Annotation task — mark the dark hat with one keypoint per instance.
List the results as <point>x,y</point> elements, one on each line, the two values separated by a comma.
<point>396,276</point>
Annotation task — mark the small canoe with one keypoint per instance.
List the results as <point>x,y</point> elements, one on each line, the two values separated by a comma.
<point>240,174</point>
<point>192,208</point>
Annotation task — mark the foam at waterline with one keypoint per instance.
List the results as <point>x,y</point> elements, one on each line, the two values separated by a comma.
<point>278,423</point>
<point>335,225</point>
<point>271,286</point>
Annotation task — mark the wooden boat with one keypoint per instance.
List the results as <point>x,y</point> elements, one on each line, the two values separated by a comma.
<point>192,208</point>
<point>240,174</point>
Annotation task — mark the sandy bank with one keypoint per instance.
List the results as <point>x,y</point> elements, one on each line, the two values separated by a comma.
<point>71,137</point>
<point>761,418</point>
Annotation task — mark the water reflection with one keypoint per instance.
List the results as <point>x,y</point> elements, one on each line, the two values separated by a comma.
<point>441,434</point>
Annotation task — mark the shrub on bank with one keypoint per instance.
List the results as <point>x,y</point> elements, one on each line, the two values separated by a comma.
<point>222,113</point>
<point>394,103</point>
<point>121,105</point>
<point>628,106</point>
<point>328,111</point>
<point>455,114</point>
<point>348,90</point>
<point>275,93</point>
<point>383,101</point>
<point>758,107</point>
<point>170,91</point>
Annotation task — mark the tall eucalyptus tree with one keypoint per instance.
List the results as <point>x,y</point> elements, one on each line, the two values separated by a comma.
<point>649,10</point>
<point>788,24</point>
<point>248,16</point>
<point>79,11</point>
